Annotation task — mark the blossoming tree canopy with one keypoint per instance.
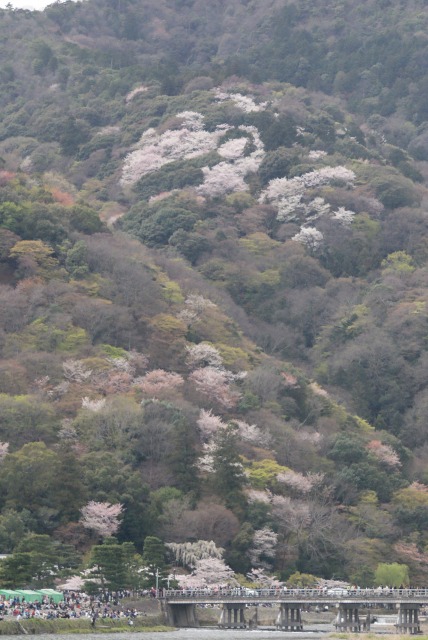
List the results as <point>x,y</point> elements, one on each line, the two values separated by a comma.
<point>101,517</point>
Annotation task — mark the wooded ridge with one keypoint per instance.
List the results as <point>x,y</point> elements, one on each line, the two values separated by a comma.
<point>213,298</point>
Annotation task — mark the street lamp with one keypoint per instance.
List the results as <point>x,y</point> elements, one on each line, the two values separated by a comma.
<point>157,582</point>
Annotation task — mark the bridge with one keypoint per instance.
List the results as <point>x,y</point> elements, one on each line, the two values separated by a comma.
<point>180,606</point>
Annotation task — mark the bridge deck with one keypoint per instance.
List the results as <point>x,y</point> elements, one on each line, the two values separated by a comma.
<point>314,597</point>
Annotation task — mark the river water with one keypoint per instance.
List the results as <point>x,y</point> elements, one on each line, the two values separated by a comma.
<point>192,634</point>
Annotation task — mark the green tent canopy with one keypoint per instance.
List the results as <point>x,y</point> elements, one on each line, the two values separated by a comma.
<point>56,596</point>
<point>9,593</point>
<point>29,595</point>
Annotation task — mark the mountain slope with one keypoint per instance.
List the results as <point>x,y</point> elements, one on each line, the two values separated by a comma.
<point>251,366</point>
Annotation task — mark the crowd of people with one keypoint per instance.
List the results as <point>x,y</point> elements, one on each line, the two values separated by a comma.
<point>74,605</point>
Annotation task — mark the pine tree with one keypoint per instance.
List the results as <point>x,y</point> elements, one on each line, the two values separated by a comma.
<point>154,552</point>
<point>229,476</point>
<point>183,458</point>
<point>109,567</point>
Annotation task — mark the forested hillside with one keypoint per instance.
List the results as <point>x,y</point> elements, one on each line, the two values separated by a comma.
<point>213,298</point>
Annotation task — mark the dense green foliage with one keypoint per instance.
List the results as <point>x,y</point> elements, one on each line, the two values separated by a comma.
<point>213,287</point>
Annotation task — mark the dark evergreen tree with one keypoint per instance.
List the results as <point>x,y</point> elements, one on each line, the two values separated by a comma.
<point>183,457</point>
<point>237,555</point>
<point>154,554</point>
<point>228,479</point>
<point>109,568</point>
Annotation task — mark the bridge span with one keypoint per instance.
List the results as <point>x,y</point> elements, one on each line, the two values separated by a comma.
<point>180,606</point>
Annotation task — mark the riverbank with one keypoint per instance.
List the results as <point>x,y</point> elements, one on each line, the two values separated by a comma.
<point>373,636</point>
<point>81,626</point>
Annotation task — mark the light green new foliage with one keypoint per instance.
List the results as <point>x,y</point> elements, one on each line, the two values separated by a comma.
<point>392,575</point>
<point>398,263</point>
<point>263,473</point>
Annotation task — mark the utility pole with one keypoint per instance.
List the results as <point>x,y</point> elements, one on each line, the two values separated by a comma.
<point>157,582</point>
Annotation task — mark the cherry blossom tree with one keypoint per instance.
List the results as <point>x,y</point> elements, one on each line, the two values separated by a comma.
<point>316,208</point>
<point>101,517</point>
<point>42,384</point>
<point>262,551</point>
<point>67,429</point>
<point>122,364</point>
<point>194,309</point>
<point>261,579</point>
<point>189,139</point>
<point>316,154</point>
<point>298,481</point>
<point>286,194</point>
<point>344,216</point>
<point>214,571</point>
<point>252,433</point>
<point>410,552</point>
<point>220,179</point>
<point>135,92</point>
<point>205,463</point>
<point>314,437</point>
<point>419,487</point>
<point>233,149</point>
<point>59,390</point>
<point>155,150</point>
<point>245,103</point>
<point>158,381</point>
<point>310,237</point>
<point>289,381</point>
<point>214,383</point>
<point>257,495</point>
<point>93,405</point>
<point>138,360</point>
<point>4,450</point>
<point>229,176</point>
<point>114,381</point>
<point>73,583</point>
<point>198,303</point>
<point>189,581</point>
<point>318,390</point>
<point>203,355</point>
<point>384,453</point>
<point>209,424</point>
<point>76,371</point>
<point>208,572</point>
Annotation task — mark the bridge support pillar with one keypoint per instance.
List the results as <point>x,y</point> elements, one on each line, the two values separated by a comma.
<point>366,623</point>
<point>348,618</point>
<point>182,615</point>
<point>232,616</point>
<point>289,617</point>
<point>408,619</point>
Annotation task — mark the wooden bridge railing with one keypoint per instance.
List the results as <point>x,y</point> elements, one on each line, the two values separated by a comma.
<point>298,594</point>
